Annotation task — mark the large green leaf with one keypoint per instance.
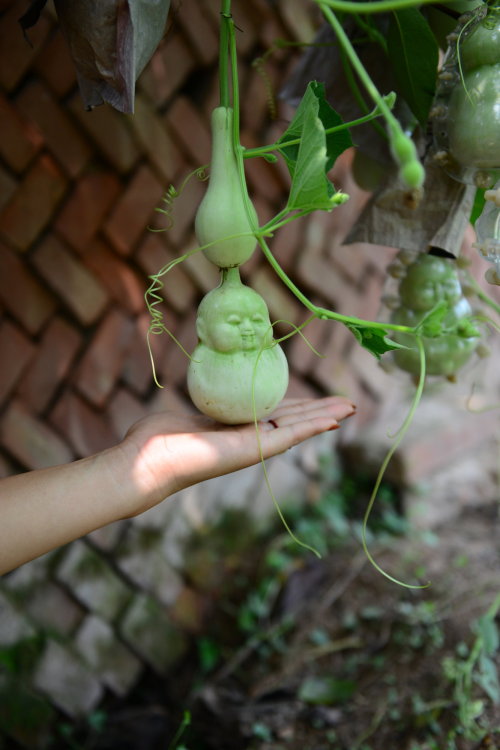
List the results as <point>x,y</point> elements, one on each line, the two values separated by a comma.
<point>310,152</point>
<point>413,51</point>
<point>314,100</point>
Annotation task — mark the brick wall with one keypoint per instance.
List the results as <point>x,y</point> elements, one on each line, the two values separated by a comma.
<point>78,191</point>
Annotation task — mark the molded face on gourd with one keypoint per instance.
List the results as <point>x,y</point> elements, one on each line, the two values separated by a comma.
<point>430,280</point>
<point>466,111</point>
<point>237,371</point>
<point>232,320</point>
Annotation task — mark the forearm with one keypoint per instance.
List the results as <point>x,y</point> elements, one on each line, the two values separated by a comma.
<point>44,509</point>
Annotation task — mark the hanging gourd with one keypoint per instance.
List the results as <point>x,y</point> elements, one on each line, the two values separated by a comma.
<point>426,284</point>
<point>466,110</point>
<point>237,372</point>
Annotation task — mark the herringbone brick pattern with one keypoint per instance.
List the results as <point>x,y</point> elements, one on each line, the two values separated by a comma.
<point>79,192</point>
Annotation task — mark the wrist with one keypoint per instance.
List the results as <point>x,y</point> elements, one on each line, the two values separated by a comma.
<point>139,471</point>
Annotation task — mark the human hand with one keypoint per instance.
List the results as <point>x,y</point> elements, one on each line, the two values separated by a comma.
<point>168,452</point>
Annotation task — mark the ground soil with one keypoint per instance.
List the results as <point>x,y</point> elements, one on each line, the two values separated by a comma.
<point>343,659</point>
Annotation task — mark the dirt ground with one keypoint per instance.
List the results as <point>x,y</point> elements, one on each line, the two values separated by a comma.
<point>327,654</point>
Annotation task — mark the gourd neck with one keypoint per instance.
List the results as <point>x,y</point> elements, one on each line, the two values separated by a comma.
<point>223,156</point>
<point>230,276</point>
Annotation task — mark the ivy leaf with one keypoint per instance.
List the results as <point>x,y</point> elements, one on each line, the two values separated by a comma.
<point>375,340</point>
<point>310,152</point>
<point>413,52</point>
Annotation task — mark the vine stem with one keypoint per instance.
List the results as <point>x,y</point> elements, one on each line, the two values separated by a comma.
<point>356,62</point>
<point>322,312</point>
<point>262,150</point>
<point>223,53</point>
<point>400,435</point>
<point>380,6</point>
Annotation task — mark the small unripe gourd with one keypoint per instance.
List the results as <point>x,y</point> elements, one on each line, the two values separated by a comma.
<point>467,103</point>
<point>237,371</point>
<point>474,117</point>
<point>225,210</point>
<point>428,281</point>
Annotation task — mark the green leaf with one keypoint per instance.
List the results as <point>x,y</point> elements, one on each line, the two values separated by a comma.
<point>310,152</point>
<point>477,206</point>
<point>413,52</point>
<point>311,190</point>
<point>325,691</point>
<point>314,99</point>
<point>375,340</point>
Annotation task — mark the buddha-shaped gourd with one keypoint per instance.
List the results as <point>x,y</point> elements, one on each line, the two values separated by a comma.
<point>238,372</point>
<point>428,282</point>
<point>466,110</point>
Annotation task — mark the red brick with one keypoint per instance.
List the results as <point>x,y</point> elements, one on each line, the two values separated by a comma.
<point>33,204</point>
<point>332,371</point>
<point>55,65</point>
<point>299,388</point>
<point>124,410</point>
<point>30,441</point>
<point>299,18</point>
<point>283,306</point>
<point>178,290</point>
<point>62,138</point>
<point>16,353</point>
<point>190,129</point>
<point>288,245</point>
<point>317,275</point>
<point>137,371</point>
<point>123,284</point>
<point>21,140</point>
<point>109,131</point>
<point>16,52</point>
<point>261,87</point>
<point>56,352</point>
<point>22,294</point>
<point>134,210</point>
<point>86,208</point>
<point>101,366</point>
<point>262,177</point>
<point>171,399</point>
<point>86,430</point>
<point>169,67</point>
<point>154,139</point>
<point>172,368</point>
<point>199,31</point>
<point>369,372</point>
<point>204,274</point>
<point>8,187</point>
<point>302,358</point>
<point>69,278</point>
<point>184,210</point>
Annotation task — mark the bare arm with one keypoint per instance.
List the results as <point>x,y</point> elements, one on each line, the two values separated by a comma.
<point>161,454</point>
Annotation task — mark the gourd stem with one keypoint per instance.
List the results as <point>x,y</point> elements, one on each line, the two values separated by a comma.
<point>223,53</point>
<point>322,312</point>
<point>380,6</point>
<point>358,65</point>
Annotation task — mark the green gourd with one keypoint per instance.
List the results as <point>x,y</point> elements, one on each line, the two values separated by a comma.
<point>474,118</point>
<point>429,281</point>
<point>237,371</point>
<point>226,210</point>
